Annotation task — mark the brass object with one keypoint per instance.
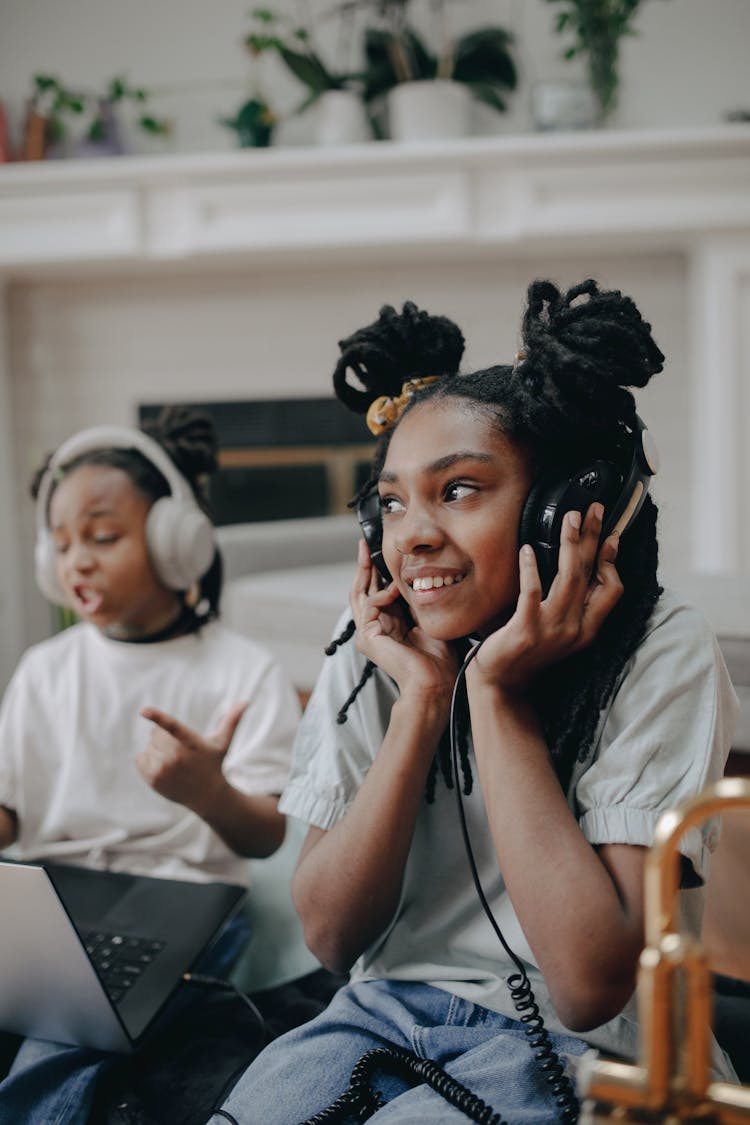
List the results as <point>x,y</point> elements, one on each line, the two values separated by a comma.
<point>670,1084</point>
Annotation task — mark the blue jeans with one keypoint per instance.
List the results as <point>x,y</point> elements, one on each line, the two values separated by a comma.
<point>304,1071</point>
<point>54,1083</point>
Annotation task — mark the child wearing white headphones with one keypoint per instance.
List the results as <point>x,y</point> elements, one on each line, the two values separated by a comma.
<point>146,738</point>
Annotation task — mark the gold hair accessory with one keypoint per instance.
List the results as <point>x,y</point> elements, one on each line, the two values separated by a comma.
<point>385,411</point>
<point>520,357</point>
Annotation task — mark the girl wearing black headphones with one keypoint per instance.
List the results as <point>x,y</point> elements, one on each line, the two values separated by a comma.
<point>542,676</point>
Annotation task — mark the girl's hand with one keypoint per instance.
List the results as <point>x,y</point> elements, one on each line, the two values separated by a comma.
<point>584,592</point>
<point>387,636</point>
<point>183,765</point>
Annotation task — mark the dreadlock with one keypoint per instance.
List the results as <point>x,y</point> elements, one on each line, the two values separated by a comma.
<point>568,401</point>
<point>189,438</point>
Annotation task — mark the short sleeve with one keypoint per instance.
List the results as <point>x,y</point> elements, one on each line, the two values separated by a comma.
<point>331,759</point>
<point>665,737</point>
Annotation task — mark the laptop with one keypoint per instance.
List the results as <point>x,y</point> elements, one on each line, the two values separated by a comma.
<point>91,957</point>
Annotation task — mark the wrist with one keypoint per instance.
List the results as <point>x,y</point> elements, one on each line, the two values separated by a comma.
<point>210,798</point>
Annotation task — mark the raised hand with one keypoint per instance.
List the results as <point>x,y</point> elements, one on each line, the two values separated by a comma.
<point>182,764</point>
<point>387,635</point>
<point>584,592</point>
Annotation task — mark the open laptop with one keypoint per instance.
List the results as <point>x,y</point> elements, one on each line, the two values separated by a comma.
<point>91,957</point>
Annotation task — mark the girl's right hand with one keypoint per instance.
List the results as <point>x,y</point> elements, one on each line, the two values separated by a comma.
<point>387,636</point>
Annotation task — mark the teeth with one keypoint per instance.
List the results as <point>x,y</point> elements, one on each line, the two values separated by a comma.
<point>436,581</point>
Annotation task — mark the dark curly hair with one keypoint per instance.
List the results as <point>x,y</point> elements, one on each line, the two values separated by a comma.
<point>189,438</point>
<point>567,400</point>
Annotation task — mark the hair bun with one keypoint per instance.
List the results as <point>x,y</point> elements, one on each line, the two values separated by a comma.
<point>394,348</point>
<point>189,437</point>
<point>583,348</point>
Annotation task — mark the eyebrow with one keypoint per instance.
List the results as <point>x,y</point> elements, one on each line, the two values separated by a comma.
<point>94,514</point>
<point>446,462</point>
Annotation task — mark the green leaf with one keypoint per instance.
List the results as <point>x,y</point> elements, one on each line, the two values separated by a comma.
<point>484,56</point>
<point>45,82</point>
<point>308,69</point>
<point>488,94</point>
<point>155,126</point>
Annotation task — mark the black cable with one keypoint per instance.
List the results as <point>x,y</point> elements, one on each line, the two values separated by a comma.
<point>227,986</point>
<point>361,1101</point>
<point>518,983</point>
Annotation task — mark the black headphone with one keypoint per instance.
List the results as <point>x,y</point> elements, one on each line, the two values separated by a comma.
<point>620,484</point>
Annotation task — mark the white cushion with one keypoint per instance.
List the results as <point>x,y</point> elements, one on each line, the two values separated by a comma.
<point>292,612</point>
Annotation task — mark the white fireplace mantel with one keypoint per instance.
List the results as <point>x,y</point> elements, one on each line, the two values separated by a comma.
<point>477,195</point>
<point>481,199</point>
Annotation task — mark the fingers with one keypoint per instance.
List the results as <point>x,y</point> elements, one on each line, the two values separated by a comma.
<point>224,733</point>
<point>579,543</point>
<point>172,726</point>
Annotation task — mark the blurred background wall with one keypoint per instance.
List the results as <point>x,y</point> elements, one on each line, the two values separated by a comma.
<point>85,342</point>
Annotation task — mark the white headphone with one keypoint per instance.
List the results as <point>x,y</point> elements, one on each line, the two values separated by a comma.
<point>179,536</point>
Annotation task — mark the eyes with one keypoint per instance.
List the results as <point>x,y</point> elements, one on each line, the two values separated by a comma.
<point>454,491</point>
<point>99,539</point>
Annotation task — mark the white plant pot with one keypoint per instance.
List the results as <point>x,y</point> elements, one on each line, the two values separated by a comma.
<point>341,119</point>
<point>563,105</point>
<point>430,110</point>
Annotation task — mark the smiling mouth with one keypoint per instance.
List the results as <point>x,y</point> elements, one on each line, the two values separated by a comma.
<point>435,582</point>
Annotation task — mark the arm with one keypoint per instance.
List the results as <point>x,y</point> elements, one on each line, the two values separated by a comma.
<point>348,880</point>
<point>581,908</point>
<point>186,767</point>
<point>8,827</point>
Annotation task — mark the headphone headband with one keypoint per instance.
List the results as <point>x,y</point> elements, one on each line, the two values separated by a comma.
<point>179,534</point>
<point>110,437</point>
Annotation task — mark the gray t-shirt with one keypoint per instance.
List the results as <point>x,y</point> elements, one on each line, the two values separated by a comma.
<point>664,735</point>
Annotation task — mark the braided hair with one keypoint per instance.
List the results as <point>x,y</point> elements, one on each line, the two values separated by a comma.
<point>567,400</point>
<point>189,438</point>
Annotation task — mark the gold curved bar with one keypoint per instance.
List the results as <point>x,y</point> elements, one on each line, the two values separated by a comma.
<point>663,860</point>
<point>670,1083</point>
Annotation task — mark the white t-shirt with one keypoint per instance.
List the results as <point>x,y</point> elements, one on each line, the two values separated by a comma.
<point>70,729</point>
<point>665,734</point>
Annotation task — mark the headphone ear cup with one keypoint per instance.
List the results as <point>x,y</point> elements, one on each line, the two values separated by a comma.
<point>180,541</point>
<point>529,526</point>
<point>45,569</point>
<point>544,493</point>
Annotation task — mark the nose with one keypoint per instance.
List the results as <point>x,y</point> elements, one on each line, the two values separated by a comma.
<point>417,532</point>
<point>78,558</point>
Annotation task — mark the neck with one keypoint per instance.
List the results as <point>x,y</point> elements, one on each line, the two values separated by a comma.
<point>173,622</point>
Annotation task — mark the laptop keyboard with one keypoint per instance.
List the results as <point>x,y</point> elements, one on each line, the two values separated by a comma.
<point>119,959</point>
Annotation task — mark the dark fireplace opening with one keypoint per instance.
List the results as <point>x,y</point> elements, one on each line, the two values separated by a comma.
<point>283,458</point>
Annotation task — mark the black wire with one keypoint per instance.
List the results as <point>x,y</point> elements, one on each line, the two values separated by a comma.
<point>518,983</point>
<point>361,1101</point>
<point>227,986</point>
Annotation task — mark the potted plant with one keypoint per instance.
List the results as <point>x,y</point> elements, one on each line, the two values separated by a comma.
<point>404,69</point>
<point>341,116</point>
<point>253,123</point>
<point>103,133</point>
<point>597,26</point>
<point>53,103</point>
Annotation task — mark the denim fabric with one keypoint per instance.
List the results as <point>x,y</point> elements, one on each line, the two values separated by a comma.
<point>303,1072</point>
<point>54,1083</point>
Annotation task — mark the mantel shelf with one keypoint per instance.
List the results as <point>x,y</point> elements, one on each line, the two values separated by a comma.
<point>479,195</point>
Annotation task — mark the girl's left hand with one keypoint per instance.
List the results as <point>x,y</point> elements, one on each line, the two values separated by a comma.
<point>584,592</point>
<point>183,765</point>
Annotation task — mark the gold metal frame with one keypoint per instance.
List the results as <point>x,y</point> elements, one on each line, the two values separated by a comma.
<point>670,1083</point>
